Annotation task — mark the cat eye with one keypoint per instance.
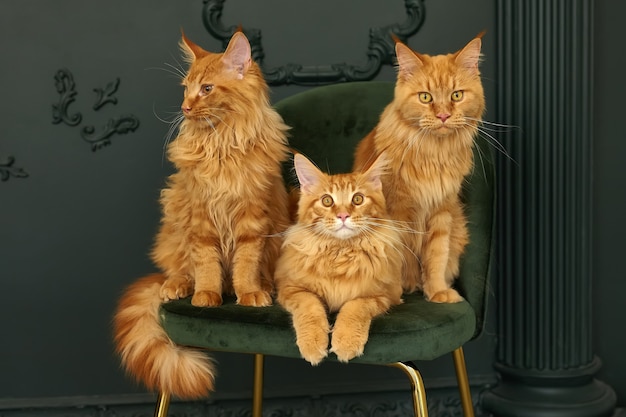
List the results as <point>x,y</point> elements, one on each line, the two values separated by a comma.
<point>358,199</point>
<point>206,89</point>
<point>425,97</point>
<point>327,201</point>
<point>457,95</point>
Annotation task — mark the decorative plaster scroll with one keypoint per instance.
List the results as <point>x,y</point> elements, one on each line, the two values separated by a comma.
<point>67,89</point>
<point>64,83</point>
<point>7,170</point>
<point>105,95</point>
<point>121,126</point>
<point>380,50</point>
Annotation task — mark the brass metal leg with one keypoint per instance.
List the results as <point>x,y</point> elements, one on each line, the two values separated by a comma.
<point>419,392</point>
<point>463,381</point>
<point>257,389</point>
<point>163,403</point>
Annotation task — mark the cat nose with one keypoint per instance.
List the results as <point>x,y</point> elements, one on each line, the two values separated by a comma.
<point>343,216</point>
<point>186,109</point>
<point>443,117</point>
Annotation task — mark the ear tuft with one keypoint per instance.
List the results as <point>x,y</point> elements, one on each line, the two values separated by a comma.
<point>237,56</point>
<point>469,56</point>
<point>309,176</point>
<point>376,170</point>
<point>408,61</point>
<point>190,50</point>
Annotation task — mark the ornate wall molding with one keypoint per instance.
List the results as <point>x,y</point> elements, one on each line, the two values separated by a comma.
<point>105,95</point>
<point>7,170</point>
<point>121,126</point>
<point>66,87</point>
<point>380,50</point>
<point>64,83</point>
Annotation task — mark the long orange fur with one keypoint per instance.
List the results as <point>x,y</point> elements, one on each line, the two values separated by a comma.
<point>223,212</point>
<point>341,256</point>
<point>427,133</point>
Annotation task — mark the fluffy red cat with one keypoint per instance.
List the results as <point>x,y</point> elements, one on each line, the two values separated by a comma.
<point>223,211</point>
<point>427,134</point>
<point>343,255</point>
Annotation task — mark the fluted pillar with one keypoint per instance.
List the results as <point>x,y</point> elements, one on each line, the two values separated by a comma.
<point>544,81</point>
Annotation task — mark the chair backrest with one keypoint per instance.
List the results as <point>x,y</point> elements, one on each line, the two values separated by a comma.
<point>328,122</point>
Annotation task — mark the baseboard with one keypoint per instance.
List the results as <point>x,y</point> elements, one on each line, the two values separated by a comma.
<point>442,401</point>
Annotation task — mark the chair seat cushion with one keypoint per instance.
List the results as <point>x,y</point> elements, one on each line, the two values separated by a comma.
<point>414,330</point>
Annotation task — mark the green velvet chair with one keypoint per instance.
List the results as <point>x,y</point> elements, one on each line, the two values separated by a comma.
<point>327,122</point>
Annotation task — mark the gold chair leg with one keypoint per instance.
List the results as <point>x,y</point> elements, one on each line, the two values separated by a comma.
<point>163,403</point>
<point>257,389</point>
<point>417,384</point>
<point>463,381</point>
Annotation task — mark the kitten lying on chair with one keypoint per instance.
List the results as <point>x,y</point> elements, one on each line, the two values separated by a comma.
<point>427,133</point>
<point>343,255</point>
<point>222,210</point>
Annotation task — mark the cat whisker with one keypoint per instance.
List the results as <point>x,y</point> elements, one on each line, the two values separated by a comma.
<point>223,122</point>
<point>495,144</point>
<point>491,129</point>
<point>395,225</point>
<point>294,228</point>
<point>177,69</point>
<point>179,66</point>
<point>219,109</point>
<point>482,160</point>
<point>174,124</point>
<point>485,122</point>
<point>172,71</point>
<point>395,243</point>
<point>208,120</point>
<point>175,116</point>
<point>491,139</point>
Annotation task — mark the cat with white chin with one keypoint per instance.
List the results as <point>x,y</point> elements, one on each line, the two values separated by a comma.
<point>342,255</point>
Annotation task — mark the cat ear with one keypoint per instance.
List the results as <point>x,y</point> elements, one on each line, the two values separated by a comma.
<point>378,168</point>
<point>190,50</point>
<point>469,56</point>
<point>308,174</point>
<point>408,61</point>
<point>237,56</point>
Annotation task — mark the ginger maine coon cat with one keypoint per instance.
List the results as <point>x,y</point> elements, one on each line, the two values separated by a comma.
<point>343,255</point>
<point>427,134</point>
<point>222,214</point>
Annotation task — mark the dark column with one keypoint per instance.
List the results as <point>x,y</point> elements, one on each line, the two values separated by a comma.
<point>544,82</point>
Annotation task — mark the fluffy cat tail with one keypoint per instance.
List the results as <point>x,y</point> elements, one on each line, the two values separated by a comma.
<point>147,352</point>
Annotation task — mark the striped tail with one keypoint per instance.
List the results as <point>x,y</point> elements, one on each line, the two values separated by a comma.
<point>147,352</point>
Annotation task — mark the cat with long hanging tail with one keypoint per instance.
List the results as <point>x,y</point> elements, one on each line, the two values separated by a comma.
<point>427,133</point>
<point>223,212</point>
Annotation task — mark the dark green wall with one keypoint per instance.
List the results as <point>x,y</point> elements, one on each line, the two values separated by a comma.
<point>79,226</point>
<point>610,194</point>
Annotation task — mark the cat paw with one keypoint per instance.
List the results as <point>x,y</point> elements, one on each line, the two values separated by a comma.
<point>206,299</point>
<point>446,296</point>
<point>255,299</point>
<point>314,349</point>
<point>314,356</point>
<point>347,346</point>
<point>175,288</point>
